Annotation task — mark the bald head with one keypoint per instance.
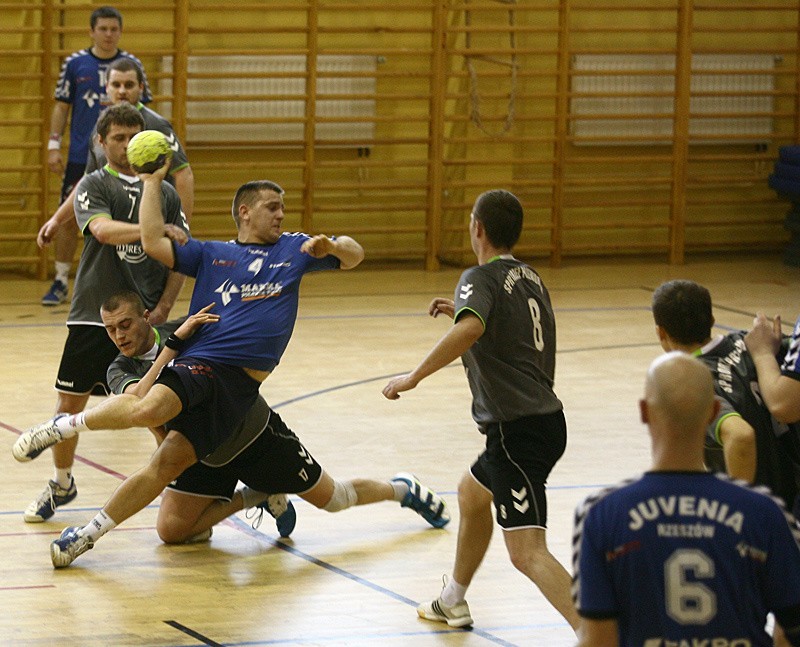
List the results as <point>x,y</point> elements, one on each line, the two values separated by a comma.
<point>679,397</point>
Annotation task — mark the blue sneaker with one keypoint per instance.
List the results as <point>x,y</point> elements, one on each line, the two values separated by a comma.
<point>424,501</point>
<point>69,546</point>
<point>280,508</point>
<point>52,497</point>
<point>56,295</point>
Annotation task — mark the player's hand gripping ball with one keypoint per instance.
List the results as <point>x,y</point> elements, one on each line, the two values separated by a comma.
<point>148,151</point>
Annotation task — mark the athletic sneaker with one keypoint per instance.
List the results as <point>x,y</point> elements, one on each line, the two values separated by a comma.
<point>280,508</point>
<point>56,294</point>
<point>456,616</point>
<point>69,546</point>
<point>52,497</point>
<point>424,501</point>
<point>34,441</point>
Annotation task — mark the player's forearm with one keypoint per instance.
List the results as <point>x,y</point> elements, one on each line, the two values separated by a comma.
<point>184,185</point>
<point>781,394</point>
<point>739,448</point>
<point>151,223</point>
<point>66,210</point>
<point>457,341</point>
<point>348,251</point>
<point>114,232</point>
<point>58,118</point>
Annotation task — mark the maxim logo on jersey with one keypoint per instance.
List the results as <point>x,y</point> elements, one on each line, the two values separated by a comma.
<point>253,291</point>
<point>131,253</point>
<point>685,506</point>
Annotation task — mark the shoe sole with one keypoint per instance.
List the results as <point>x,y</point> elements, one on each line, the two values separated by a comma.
<point>456,623</point>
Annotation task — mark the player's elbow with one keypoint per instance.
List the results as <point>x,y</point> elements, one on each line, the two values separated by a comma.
<point>786,411</point>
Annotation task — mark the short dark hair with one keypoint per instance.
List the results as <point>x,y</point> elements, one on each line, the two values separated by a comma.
<point>124,297</point>
<point>247,194</point>
<point>683,309</point>
<point>105,12</point>
<point>500,213</point>
<point>126,64</point>
<point>123,114</point>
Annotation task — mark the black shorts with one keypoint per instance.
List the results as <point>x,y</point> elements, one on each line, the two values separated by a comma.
<point>72,175</point>
<point>215,398</point>
<point>518,459</point>
<point>276,462</point>
<point>87,353</point>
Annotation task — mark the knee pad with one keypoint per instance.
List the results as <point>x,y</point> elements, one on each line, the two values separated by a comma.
<point>344,496</point>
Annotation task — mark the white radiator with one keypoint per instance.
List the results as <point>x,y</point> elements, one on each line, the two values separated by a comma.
<point>355,132</point>
<point>642,128</point>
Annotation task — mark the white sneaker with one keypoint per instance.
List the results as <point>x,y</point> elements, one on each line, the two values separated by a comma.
<point>70,545</point>
<point>456,616</point>
<point>36,439</point>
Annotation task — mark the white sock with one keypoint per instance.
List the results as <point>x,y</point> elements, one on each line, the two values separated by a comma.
<point>98,526</point>
<point>70,425</point>
<point>251,497</point>
<point>400,490</point>
<point>62,271</point>
<point>63,476</point>
<point>453,593</point>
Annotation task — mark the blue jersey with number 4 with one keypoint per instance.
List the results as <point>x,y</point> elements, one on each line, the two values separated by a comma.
<point>682,558</point>
<point>255,289</point>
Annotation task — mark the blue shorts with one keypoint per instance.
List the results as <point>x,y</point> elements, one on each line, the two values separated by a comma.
<point>214,397</point>
<point>519,457</point>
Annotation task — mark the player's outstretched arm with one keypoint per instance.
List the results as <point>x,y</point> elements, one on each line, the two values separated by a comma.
<point>457,341</point>
<point>346,249</point>
<point>151,219</point>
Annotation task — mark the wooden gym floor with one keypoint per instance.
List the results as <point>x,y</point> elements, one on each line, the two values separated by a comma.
<point>351,578</point>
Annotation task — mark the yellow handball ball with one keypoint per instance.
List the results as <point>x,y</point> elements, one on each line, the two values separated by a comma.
<point>148,151</point>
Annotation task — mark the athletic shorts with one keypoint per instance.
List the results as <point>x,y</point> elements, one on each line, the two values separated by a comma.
<point>276,462</point>
<point>215,398</point>
<point>514,467</point>
<point>72,175</point>
<point>87,353</point>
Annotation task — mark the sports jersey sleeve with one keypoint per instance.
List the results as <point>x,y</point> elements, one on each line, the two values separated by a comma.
<point>593,590</point>
<point>726,410</point>
<point>311,264</point>
<point>124,371</point>
<point>90,202</point>
<point>474,293</point>
<point>65,86</point>
<point>179,158</point>
<point>791,362</point>
<point>188,257</point>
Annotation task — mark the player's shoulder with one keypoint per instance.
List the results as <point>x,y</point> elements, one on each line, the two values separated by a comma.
<point>78,56</point>
<point>609,496</point>
<point>154,121</point>
<point>126,54</point>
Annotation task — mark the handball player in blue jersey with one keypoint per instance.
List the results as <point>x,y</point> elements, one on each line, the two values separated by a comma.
<point>681,556</point>
<point>81,87</point>
<point>204,394</point>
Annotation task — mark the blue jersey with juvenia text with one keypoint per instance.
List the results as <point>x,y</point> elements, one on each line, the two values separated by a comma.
<point>255,288</point>
<point>685,558</point>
